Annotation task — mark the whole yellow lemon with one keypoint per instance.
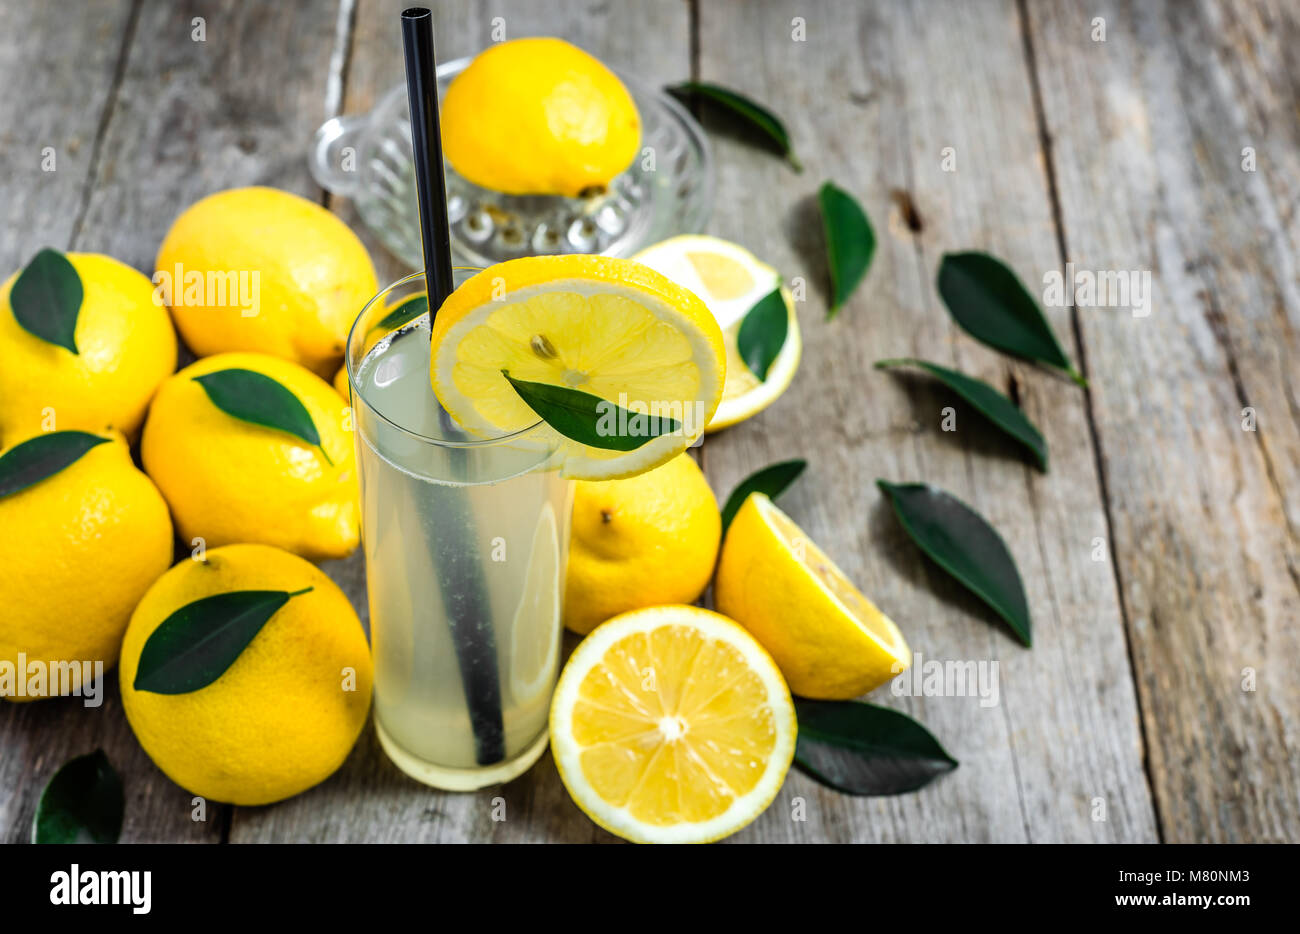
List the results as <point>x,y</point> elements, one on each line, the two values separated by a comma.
<point>125,348</point>
<point>642,541</point>
<point>79,549</point>
<point>287,711</point>
<point>539,117</point>
<point>264,270</point>
<point>228,479</point>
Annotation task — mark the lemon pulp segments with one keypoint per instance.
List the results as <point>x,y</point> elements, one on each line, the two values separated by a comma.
<point>672,724</point>
<point>640,743</point>
<point>731,280</point>
<point>602,343</point>
<point>610,328</point>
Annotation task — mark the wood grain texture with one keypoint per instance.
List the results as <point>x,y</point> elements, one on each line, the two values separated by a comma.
<point>1148,129</point>
<point>59,116</point>
<point>872,98</point>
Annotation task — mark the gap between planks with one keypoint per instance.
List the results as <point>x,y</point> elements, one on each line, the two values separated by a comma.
<point>1062,247</point>
<point>105,118</point>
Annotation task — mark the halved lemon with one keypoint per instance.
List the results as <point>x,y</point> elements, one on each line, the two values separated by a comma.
<point>672,725</point>
<point>611,328</point>
<point>731,280</point>
<point>829,640</point>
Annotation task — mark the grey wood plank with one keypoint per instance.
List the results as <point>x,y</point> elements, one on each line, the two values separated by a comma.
<point>187,118</point>
<point>1148,129</point>
<point>58,116</point>
<point>194,117</point>
<point>369,798</point>
<point>872,98</point>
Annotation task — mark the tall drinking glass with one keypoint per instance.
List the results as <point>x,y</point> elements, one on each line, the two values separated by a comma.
<point>465,541</point>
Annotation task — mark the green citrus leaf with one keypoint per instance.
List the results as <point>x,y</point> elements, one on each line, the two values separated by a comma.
<point>958,539</point>
<point>46,298</point>
<point>990,403</point>
<point>194,646</point>
<point>750,113</point>
<point>256,398</point>
<point>83,803</point>
<point>762,332</point>
<point>850,242</point>
<point>992,306</point>
<point>589,419</point>
<point>772,480</point>
<point>402,314</point>
<point>42,456</point>
<point>863,749</point>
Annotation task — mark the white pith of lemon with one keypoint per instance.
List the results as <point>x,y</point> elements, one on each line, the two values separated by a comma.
<point>731,280</point>
<point>608,327</point>
<point>672,725</point>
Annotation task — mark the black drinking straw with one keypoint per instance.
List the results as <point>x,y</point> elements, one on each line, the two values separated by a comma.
<point>464,594</point>
<point>426,138</point>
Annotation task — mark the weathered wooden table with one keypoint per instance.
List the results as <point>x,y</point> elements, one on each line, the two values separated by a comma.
<point>1160,701</point>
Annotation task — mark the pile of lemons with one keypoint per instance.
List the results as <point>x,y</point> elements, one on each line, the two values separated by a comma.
<point>89,537</point>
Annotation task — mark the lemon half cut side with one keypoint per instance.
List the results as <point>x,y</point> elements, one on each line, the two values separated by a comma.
<point>672,725</point>
<point>730,280</point>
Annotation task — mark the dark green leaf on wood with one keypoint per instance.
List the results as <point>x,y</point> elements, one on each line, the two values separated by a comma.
<point>771,480</point>
<point>990,403</point>
<point>989,302</point>
<point>961,542</point>
<point>83,803</point>
<point>766,125</point>
<point>863,749</point>
<point>850,242</point>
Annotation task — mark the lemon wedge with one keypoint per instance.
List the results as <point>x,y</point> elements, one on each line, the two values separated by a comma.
<point>830,641</point>
<point>611,328</point>
<point>731,280</point>
<point>672,725</point>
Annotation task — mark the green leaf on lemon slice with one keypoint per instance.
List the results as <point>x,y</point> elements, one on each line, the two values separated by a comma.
<point>589,419</point>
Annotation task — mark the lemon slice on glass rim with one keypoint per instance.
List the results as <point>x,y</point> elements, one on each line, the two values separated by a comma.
<point>610,328</point>
<point>671,724</point>
<point>731,280</point>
